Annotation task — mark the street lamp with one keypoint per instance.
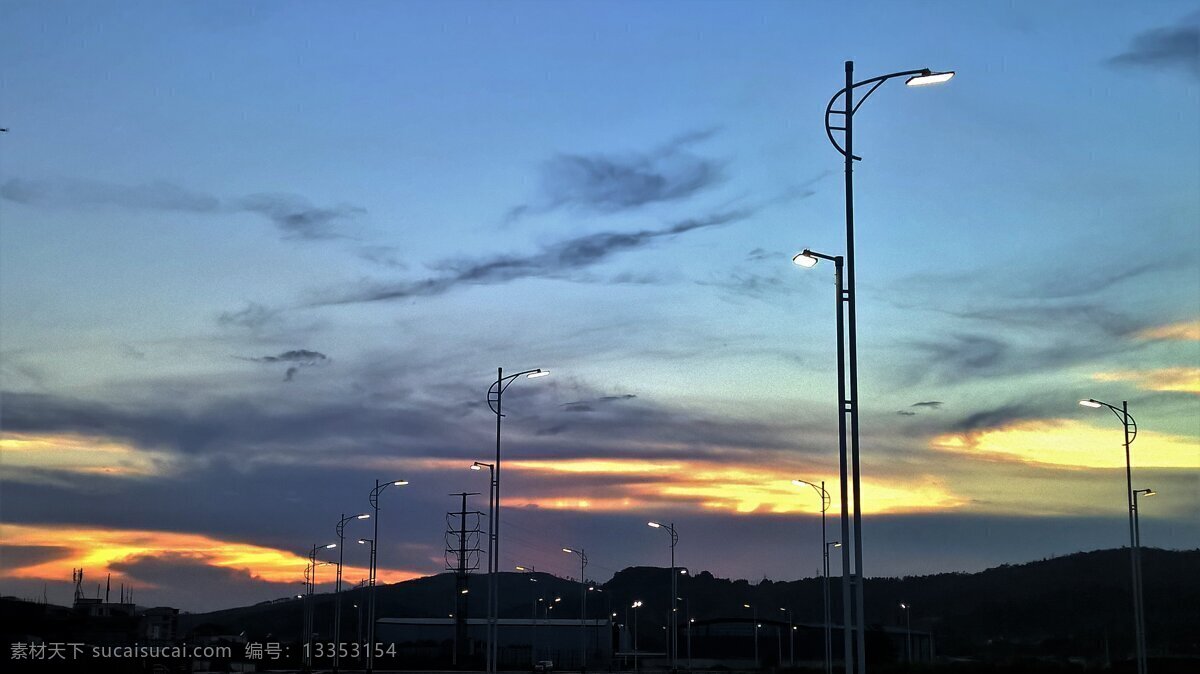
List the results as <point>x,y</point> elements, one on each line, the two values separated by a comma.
<point>907,631</point>
<point>825,501</point>
<point>337,613</point>
<point>828,613</point>
<point>492,572</point>
<point>754,614</point>
<point>582,604</point>
<point>635,606</point>
<point>533,600</point>
<point>919,77</point>
<point>673,639</point>
<point>310,580</point>
<point>372,572</point>
<point>1139,623</point>
<point>495,400</point>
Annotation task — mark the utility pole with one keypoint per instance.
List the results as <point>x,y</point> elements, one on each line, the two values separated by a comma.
<point>462,546</point>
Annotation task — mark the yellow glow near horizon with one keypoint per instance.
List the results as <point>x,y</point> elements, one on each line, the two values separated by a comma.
<point>1072,443</point>
<point>1188,331</point>
<point>1179,379</point>
<point>79,454</point>
<point>96,550</point>
<point>737,488</point>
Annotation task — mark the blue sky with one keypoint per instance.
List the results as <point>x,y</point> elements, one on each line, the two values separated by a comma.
<point>254,256</point>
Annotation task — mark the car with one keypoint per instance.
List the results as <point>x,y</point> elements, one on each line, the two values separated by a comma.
<point>544,666</point>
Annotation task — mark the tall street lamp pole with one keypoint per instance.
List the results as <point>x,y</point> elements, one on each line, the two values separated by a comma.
<point>673,639</point>
<point>636,606</point>
<point>1139,625</point>
<point>495,400</point>
<point>337,611</point>
<point>1137,539</point>
<point>373,497</point>
<point>370,601</point>
<point>533,600</point>
<point>582,605</point>
<point>849,405</point>
<point>907,632</point>
<point>791,637</point>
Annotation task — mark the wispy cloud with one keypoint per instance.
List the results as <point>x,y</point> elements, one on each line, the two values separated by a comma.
<point>295,359</point>
<point>1174,47</point>
<point>1172,379</point>
<point>293,215</point>
<point>592,404</point>
<point>555,260</point>
<point>609,183</point>
<point>1183,331</point>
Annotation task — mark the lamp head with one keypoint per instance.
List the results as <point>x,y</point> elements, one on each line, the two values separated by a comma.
<point>1091,402</point>
<point>364,516</point>
<point>929,77</point>
<point>805,259</point>
<point>476,466</point>
<point>331,545</point>
<point>656,525</point>
<point>837,544</point>
<point>904,606</point>
<point>537,373</point>
<point>1151,492</point>
<point>400,483</point>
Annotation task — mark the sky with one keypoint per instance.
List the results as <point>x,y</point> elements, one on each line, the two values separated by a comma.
<point>256,256</point>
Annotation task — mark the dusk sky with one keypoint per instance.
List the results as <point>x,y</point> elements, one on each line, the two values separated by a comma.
<point>255,256</point>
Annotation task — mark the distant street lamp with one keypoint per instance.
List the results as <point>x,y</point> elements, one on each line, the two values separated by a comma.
<point>916,78</point>
<point>791,637</point>
<point>1139,622</point>
<point>673,639</point>
<point>373,572</point>
<point>495,400</point>
<point>583,560</point>
<point>907,632</point>
<point>828,613</point>
<point>825,501</point>
<point>754,616</point>
<point>492,572</point>
<point>337,613</point>
<point>635,606</point>
<point>533,600</point>
<point>310,577</point>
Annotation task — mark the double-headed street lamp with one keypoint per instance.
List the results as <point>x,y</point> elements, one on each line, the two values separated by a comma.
<point>673,639</point>
<point>373,498</point>
<point>495,400</point>
<point>849,405</point>
<point>583,588</point>
<point>1139,621</point>
<point>337,613</point>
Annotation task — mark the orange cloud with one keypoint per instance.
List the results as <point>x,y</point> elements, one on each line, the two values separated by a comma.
<point>97,550</point>
<point>1072,443</point>
<point>1183,379</point>
<point>1188,331</point>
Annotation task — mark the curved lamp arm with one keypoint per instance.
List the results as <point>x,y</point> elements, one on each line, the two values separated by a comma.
<point>499,386</point>
<point>825,499</point>
<point>1124,416</point>
<point>875,83</point>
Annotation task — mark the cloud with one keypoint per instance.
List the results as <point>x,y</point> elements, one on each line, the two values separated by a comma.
<point>590,405</point>
<point>1175,379</point>
<point>931,404</point>
<point>556,260</point>
<point>154,196</point>
<point>253,316</point>
<point>300,356</point>
<point>296,216</point>
<point>291,214</point>
<point>1171,48</point>
<point>607,184</point>
<point>1183,331</point>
